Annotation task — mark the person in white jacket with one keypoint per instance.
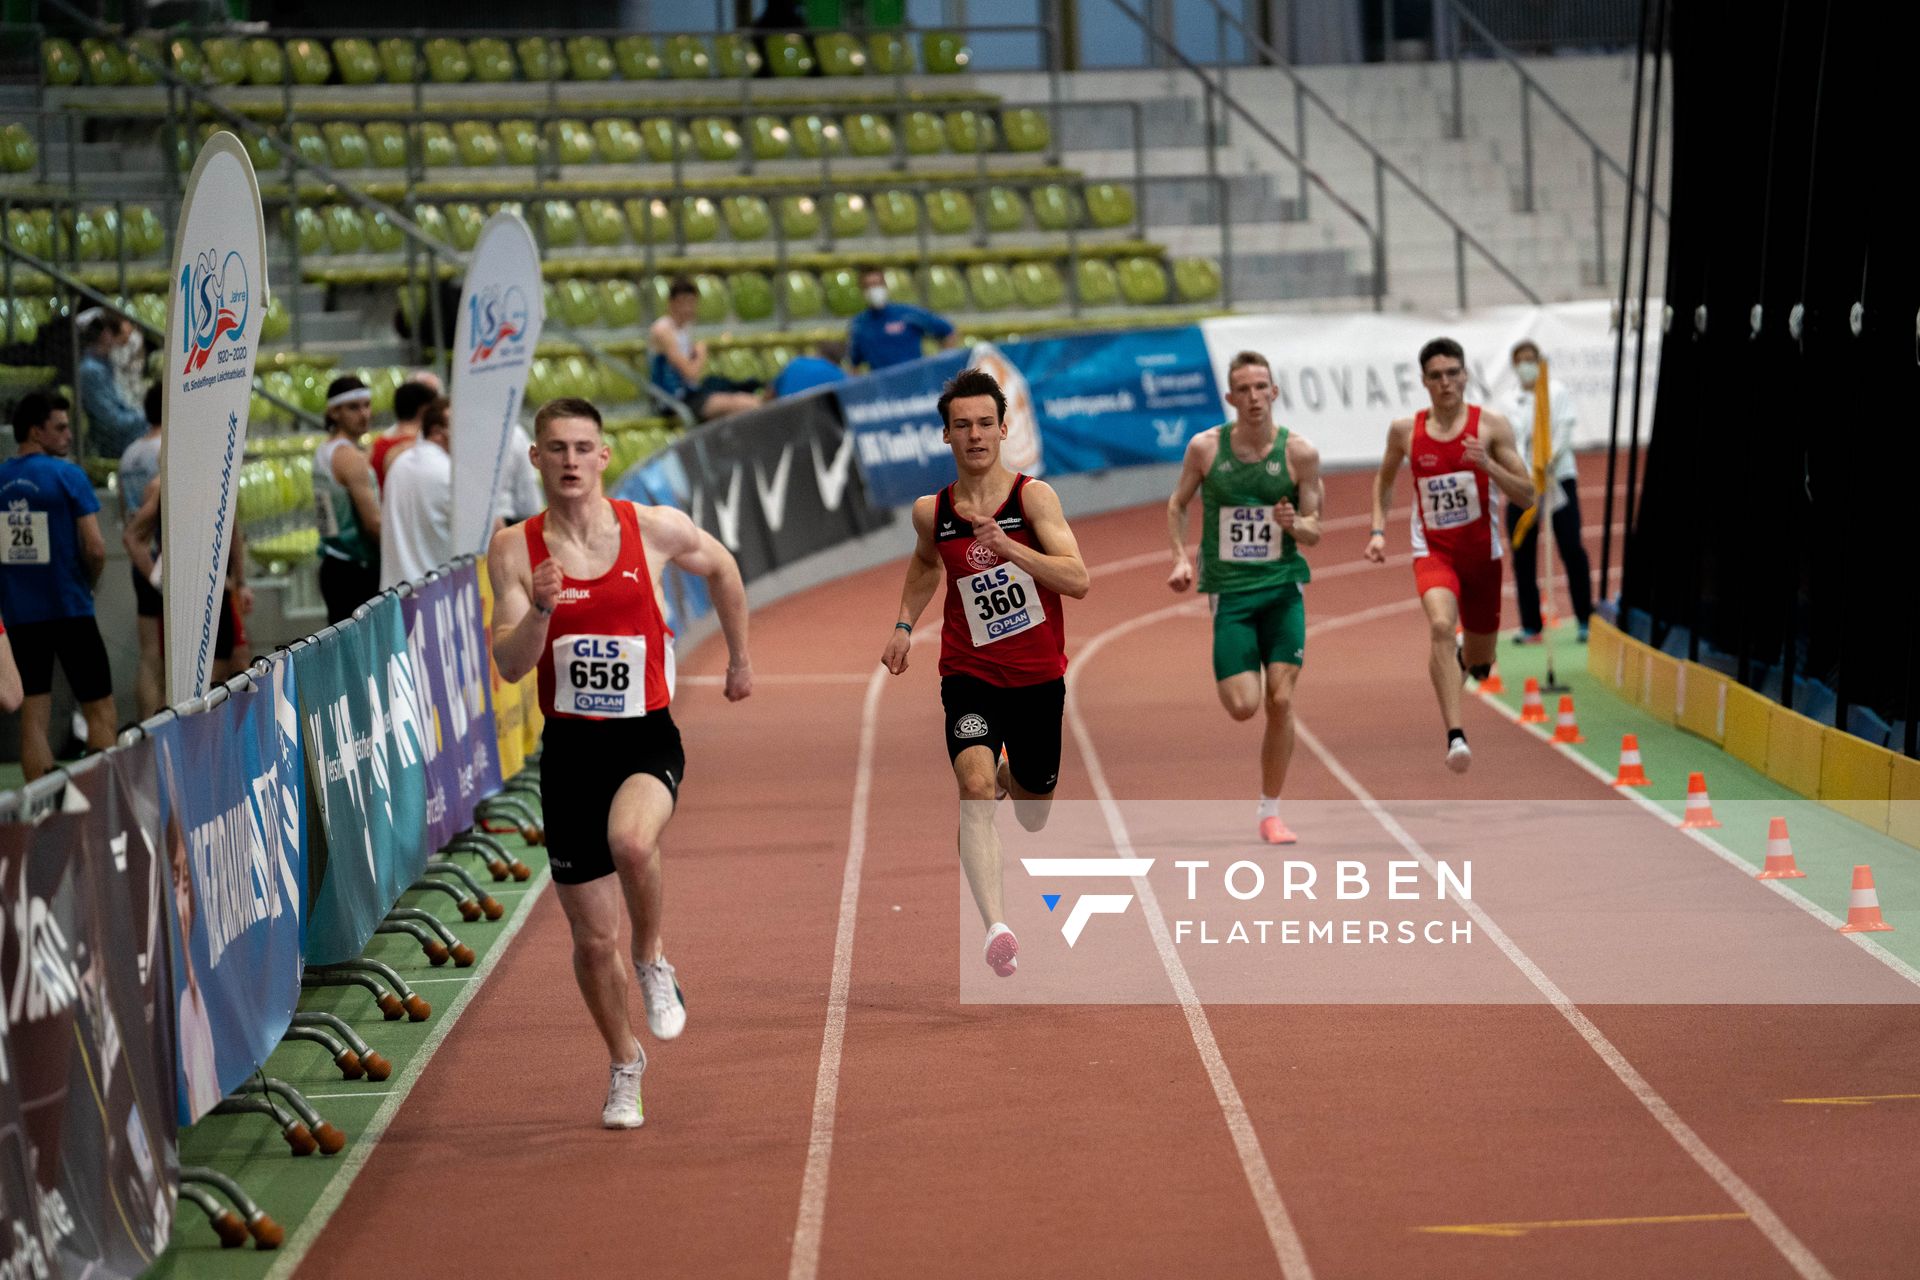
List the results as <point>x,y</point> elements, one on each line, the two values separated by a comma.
<point>1563,494</point>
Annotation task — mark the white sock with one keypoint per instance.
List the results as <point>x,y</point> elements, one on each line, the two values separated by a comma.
<point>1269,807</point>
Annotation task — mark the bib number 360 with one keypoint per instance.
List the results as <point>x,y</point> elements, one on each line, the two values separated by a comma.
<point>600,676</point>
<point>1002,601</point>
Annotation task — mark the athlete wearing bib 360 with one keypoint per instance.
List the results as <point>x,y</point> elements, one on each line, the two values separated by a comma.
<point>1002,545</point>
<point>1458,452</point>
<point>1260,492</point>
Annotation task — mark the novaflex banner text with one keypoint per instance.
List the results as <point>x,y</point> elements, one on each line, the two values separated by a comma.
<point>232,786</point>
<point>502,309</point>
<point>449,657</point>
<point>364,719</point>
<point>217,304</point>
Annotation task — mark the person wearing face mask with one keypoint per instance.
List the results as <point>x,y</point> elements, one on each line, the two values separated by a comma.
<point>1563,492</point>
<point>113,420</point>
<point>888,332</point>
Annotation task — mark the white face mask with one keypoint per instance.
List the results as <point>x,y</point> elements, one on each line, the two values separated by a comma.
<point>129,353</point>
<point>876,296</point>
<point>1528,371</point>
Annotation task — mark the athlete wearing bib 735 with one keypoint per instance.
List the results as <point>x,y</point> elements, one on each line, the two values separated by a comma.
<point>1260,494</point>
<point>1456,449</point>
<point>1003,546</point>
<point>577,597</point>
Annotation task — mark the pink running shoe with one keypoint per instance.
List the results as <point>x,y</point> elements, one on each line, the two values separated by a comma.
<point>1274,831</point>
<point>1003,951</point>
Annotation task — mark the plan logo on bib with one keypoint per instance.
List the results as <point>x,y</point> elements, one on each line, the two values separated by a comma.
<point>215,301</point>
<point>499,322</point>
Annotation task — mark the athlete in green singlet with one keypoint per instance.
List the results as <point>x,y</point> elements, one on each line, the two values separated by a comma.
<point>1261,492</point>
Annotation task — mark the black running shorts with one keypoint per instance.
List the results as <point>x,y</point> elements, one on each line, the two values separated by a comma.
<point>582,765</point>
<point>1025,720</point>
<point>81,652</point>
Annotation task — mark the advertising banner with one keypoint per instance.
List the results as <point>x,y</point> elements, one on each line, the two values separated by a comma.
<point>502,309</point>
<point>1119,399</point>
<point>508,711</point>
<point>217,305</point>
<point>895,422</point>
<point>232,790</point>
<point>449,656</point>
<point>365,723</point>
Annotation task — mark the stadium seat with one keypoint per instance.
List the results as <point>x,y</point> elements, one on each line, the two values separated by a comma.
<point>309,230</point>
<point>146,235</point>
<point>346,146</point>
<point>18,151</point>
<point>752,295</point>
<point>463,225</point>
<point>949,212</point>
<point>266,63</point>
<point>924,133</point>
<point>1025,130</point>
<point>992,287</point>
<point>188,62</point>
<point>571,142</point>
<point>1196,279</point>
<point>686,58</point>
<point>387,144</point>
<point>945,290</point>
<point>105,64</point>
<point>1109,205</point>
<point>346,229</point>
<point>309,62</point>
<point>713,298</point>
<point>143,55</point>
<point>619,140</point>
<point>434,145</point>
<point>816,135</point>
<point>1055,207</point>
<point>868,134</point>
<point>851,215</point>
<point>577,302</point>
<point>478,143</point>
<point>399,59</point>
<point>1143,281</point>
<point>1098,284</point>
<point>665,140</point>
<point>840,54</point>
<point>747,217</point>
<point>357,61</point>
<point>788,55</point>
<point>277,323</point>
<point>943,53</point>
<point>902,284</point>
<point>1005,210</point>
<point>383,236</point>
<point>601,223</point>
<point>86,235</point>
<point>889,54</point>
<point>447,62</point>
<point>60,62</point>
<point>26,234</point>
<point>1038,284</point>
<point>619,303</point>
<point>715,139</point>
<point>226,60</point>
<point>699,219</point>
<point>772,140</point>
<point>561,223</point>
<point>519,141</point>
<point>430,219</point>
<point>540,59</point>
<point>310,143</point>
<point>589,58</point>
<point>15,326</point>
<point>638,58</point>
<point>799,217</point>
<point>842,286</point>
<point>802,295</point>
<point>492,60</point>
<point>897,213</point>
<point>649,221</point>
<point>734,57</point>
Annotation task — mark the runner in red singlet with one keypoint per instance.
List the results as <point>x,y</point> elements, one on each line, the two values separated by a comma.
<point>1455,449</point>
<point>577,597</point>
<point>1002,544</point>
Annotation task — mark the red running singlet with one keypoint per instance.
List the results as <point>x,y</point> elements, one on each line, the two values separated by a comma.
<point>1001,626</point>
<point>609,653</point>
<point>1452,514</point>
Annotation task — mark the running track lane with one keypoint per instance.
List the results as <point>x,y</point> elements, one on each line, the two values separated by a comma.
<point>1089,1140</point>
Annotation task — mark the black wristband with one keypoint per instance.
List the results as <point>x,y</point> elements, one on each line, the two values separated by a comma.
<point>904,626</point>
<point>542,610</point>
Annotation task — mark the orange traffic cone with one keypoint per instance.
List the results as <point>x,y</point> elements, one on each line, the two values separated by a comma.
<point>1863,908</point>
<point>1631,774</point>
<point>1532,710</point>
<point>1780,863</point>
<point>1568,729</point>
<point>1699,808</point>
<point>1493,683</point>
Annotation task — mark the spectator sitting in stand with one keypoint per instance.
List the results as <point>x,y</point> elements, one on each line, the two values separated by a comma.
<point>679,361</point>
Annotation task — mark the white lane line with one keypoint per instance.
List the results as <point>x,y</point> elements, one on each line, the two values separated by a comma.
<point>355,1157</point>
<point>1281,1233</point>
<point>1790,1247</point>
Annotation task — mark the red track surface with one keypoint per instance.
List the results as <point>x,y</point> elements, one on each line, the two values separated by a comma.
<point>1088,1140</point>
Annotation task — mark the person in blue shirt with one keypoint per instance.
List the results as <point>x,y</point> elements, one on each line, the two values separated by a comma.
<point>889,333</point>
<point>51,556</point>
<point>804,373</point>
<point>113,421</point>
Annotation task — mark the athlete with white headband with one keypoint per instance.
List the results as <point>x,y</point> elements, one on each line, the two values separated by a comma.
<point>346,502</point>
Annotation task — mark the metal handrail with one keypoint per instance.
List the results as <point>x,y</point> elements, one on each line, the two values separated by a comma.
<point>1383,167</point>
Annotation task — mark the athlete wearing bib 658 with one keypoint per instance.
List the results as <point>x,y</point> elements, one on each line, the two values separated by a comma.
<point>1000,541</point>
<point>577,598</point>
<point>1459,452</point>
<point>1260,492</point>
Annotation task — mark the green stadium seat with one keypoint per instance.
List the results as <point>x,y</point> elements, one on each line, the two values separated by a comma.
<point>638,58</point>
<point>400,59</point>
<point>752,295</point>
<point>789,56</point>
<point>902,284</point>
<point>924,133</point>
<point>1005,210</point>
<point>869,134</point>
<point>771,138</point>
<point>387,144</point>
<point>665,140</point>
<point>992,287</point>
<point>571,142</point>
<point>653,291</point>
<point>15,326</point>
<point>18,151</point>
<point>1025,130</point>
<point>447,61</point>
<point>1196,279</point>
<point>619,303</point>
<point>816,135</point>
<point>602,224</point>
<point>383,236</point>
<point>699,219</point>
<point>464,222</point>
<point>801,293</point>
<point>146,234</point>
<point>590,58</point>
<point>60,62</point>
<point>105,64</point>
<point>346,229</point>
<point>434,145</point>
<point>346,146</point>
<point>540,59</point>
<point>226,60</point>
<point>842,285</point>
<point>970,131</point>
<point>686,58</point>
<point>1143,281</point>
<point>1038,284</point>
<point>1055,207</point>
<point>888,53</point>
<point>492,60</point>
<point>619,140</point>
<point>309,61</point>
<point>713,298</point>
<point>747,217</point>
<point>519,141</point>
<point>1097,282</point>
<point>188,62</point>
<point>945,290</point>
<point>897,213</point>
<point>358,62</point>
<point>430,219</point>
<point>577,302</point>
<point>735,58</point>
<point>944,53</point>
<point>1109,205</point>
<point>615,386</point>
<point>649,221</point>
<point>310,143</point>
<point>950,212</point>
<point>87,236</point>
<point>799,217</point>
<point>309,230</point>
<point>840,54</point>
<point>143,53</point>
<point>561,224</point>
<point>26,234</point>
<point>715,138</point>
<point>478,143</point>
<point>851,215</point>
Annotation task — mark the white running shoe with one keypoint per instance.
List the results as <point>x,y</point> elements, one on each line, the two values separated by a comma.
<point>1003,951</point>
<point>623,1096</point>
<point>1459,755</point>
<point>666,1007</point>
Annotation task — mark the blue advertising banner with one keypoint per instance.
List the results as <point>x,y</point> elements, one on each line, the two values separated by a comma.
<point>233,798</point>
<point>1119,399</point>
<point>663,482</point>
<point>896,428</point>
<point>365,733</point>
<point>449,658</point>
